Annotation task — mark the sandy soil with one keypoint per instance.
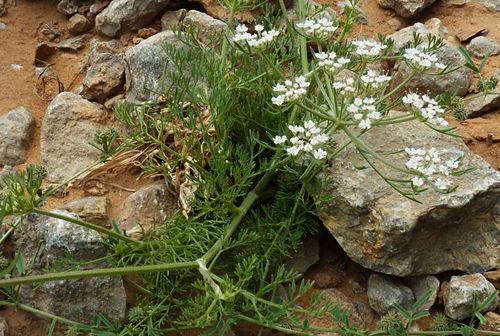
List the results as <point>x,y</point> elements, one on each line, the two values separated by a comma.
<point>17,88</point>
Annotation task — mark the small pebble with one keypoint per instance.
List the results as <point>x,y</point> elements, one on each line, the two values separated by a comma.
<point>3,26</point>
<point>16,67</point>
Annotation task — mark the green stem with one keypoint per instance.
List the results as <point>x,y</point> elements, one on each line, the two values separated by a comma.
<point>88,225</point>
<point>399,86</point>
<point>302,40</point>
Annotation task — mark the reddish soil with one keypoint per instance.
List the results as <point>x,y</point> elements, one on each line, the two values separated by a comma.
<point>17,88</point>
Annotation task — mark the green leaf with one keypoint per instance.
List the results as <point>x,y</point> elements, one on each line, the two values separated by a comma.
<point>403,311</point>
<point>422,300</point>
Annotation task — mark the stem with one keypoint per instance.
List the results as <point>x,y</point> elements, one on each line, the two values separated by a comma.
<point>71,178</point>
<point>302,40</point>
<point>88,225</point>
<point>400,86</point>
<point>117,271</point>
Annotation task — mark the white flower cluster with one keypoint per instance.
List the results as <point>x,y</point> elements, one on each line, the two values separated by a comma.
<point>423,59</point>
<point>317,28</point>
<point>344,87</point>
<point>259,41</point>
<point>290,90</point>
<point>330,60</point>
<point>430,166</point>
<point>374,79</point>
<point>427,108</point>
<point>305,139</point>
<point>368,47</point>
<point>364,112</point>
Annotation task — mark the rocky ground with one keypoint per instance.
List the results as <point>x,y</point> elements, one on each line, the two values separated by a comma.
<point>64,64</point>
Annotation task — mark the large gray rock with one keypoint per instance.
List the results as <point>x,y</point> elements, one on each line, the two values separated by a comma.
<point>421,285</point>
<point>147,208</point>
<point>69,125</point>
<point>483,103</point>
<point>49,243</point>
<point>404,36</point>
<point>106,72</point>
<point>206,26</point>
<point>16,129</point>
<point>384,292</point>
<point>125,15</point>
<point>481,46</point>
<point>383,231</point>
<point>148,67</point>
<point>459,297</point>
<point>406,8</point>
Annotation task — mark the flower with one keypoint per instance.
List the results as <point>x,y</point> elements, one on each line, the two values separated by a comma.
<point>290,90</point>
<point>425,108</point>
<point>306,139</point>
<point>368,47</point>
<point>364,112</point>
<point>373,79</point>
<point>422,59</point>
<point>430,166</point>
<point>259,41</point>
<point>344,87</point>
<point>317,28</point>
<point>330,60</point>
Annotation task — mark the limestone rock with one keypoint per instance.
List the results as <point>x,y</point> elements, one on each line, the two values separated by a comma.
<point>16,129</point>
<point>406,8</point>
<point>3,26</point>
<point>126,15</point>
<point>481,104</point>
<point>146,208</point>
<point>172,19</point>
<point>383,231</point>
<point>93,209</point>
<point>105,75</point>
<point>50,242</point>
<point>384,292</point>
<point>148,67</point>
<point>421,285</point>
<point>76,43</point>
<point>78,24</point>
<point>493,277</point>
<point>481,46</point>
<point>459,298</point>
<point>207,26</point>
<point>306,256</point>
<point>69,125</point>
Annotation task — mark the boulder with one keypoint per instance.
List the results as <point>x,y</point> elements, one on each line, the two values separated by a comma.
<point>69,125</point>
<point>149,67</point>
<point>406,8</point>
<point>93,209</point>
<point>147,208</point>
<point>482,46</point>
<point>105,75</point>
<point>384,292</point>
<point>461,290</point>
<point>206,26</point>
<point>382,230</point>
<point>50,243</point>
<point>121,16</point>
<point>16,129</point>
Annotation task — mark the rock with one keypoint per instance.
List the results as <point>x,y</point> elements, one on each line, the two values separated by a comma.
<point>395,23</point>
<point>436,27</point>
<point>93,209</point>
<point>481,104</point>
<point>459,299</point>
<point>70,7</point>
<point>4,328</point>
<point>493,277</point>
<point>493,322</point>
<point>406,8</point>
<point>492,5</point>
<point>105,75</point>
<point>98,6</point>
<point>16,128</point>
<point>456,82</point>
<point>78,24</point>
<point>384,292</point>
<point>383,231</point>
<point>147,208</point>
<point>3,26</point>
<point>366,312</point>
<point>74,43</point>
<point>148,65</point>
<point>172,19</point>
<point>126,15</point>
<point>339,299</point>
<point>69,125</point>
<point>206,26</point>
<point>421,286</point>
<point>3,9</point>
<point>48,242</point>
<point>306,256</point>
<point>482,46</point>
